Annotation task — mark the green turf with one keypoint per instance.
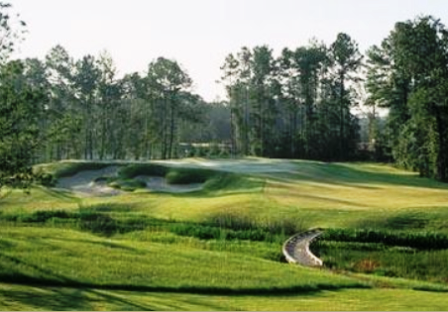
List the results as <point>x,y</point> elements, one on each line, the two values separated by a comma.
<point>220,248</point>
<point>19,297</point>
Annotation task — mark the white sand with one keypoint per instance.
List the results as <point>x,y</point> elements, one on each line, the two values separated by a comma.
<point>248,165</point>
<point>83,183</point>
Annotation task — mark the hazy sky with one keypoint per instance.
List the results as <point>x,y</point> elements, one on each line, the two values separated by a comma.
<point>200,33</point>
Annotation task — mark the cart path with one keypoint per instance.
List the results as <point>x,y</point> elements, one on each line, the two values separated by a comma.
<point>297,249</point>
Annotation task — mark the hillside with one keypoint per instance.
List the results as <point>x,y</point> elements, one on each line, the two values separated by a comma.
<point>218,247</point>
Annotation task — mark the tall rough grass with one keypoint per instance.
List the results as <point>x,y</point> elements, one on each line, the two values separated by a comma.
<point>406,254</point>
<point>420,240</point>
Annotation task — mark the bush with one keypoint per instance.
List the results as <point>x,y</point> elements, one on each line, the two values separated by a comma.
<point>231,221</point>
<point>188,176</point>
<point>127,184</point>
<point>92,219</point>
<point>97,223</point>
<point>131,171</point>
<point>208,232</point>
<point>46,179</point>
<point>43,216</point>
<point>236,222</point>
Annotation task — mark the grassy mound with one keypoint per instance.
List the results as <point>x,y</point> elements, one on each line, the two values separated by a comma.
<point>189,175</point>
<point>133,170</point>
<point>125,180</point>
<point>69,168</point>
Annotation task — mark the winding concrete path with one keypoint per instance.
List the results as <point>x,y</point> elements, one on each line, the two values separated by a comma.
<point>297,249</point>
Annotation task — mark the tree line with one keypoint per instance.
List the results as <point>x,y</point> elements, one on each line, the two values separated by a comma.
<point>408,74</point>
<point>299,104</point>
<point>92,114</point>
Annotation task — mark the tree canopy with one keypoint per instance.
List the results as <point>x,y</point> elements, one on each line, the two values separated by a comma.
<point>297,104</point>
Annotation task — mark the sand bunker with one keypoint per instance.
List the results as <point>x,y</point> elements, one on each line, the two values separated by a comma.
<point>160,184</point>
<point>84,183</point>
<point>257,165</point>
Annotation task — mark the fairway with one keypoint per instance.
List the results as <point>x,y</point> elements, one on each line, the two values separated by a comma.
<point>218,247</point>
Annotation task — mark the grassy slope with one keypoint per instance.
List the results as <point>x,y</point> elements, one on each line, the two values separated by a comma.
<point>18,297</point>
<point>349,194</point>
<point>97,272</point>
<point>320,194</point>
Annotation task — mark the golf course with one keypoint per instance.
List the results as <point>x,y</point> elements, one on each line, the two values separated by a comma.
<point>199,234</point>
<point>223,156</point>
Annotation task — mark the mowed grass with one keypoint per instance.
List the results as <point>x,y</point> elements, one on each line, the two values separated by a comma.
<point>19,297</point>
<point>70,258</point>
<point>320,194</point>
<point>54,269</point>
<point>355,187</point>
<point>57,264</point>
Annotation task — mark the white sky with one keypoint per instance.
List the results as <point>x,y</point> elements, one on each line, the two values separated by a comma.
<point>200,33</point>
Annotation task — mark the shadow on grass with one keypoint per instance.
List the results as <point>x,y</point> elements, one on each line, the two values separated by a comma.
<point>351,176</point>
<point>320,198</point>
<point>49,299</point>
<point>4,244</point>
<point>225,184</point>
<point>109,207</point>
<point>293,177</point>
<point>223,225</point>
<point>60,298</point>
<point>101,244</point>
<point>21,279</point>
<point>399,221</point>
<point>64,298</point>
<point>62,194</point>
<point>47,278</point>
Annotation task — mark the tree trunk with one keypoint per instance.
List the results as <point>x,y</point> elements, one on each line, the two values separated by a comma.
<point>442,155</point>
<point>232,130</point>
<point>164,126</point>
<point>172,122</point>
<point>341,119</point>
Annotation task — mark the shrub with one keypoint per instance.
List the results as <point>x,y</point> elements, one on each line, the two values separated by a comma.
<point>97,223</point>
<point>237,222</point>
<point>108,207</point>
<point>127,184</point>
<point>131,171</point>
<point>71,169</point>
<point>231,221</point>
<point>46,179</point>
<point>43,216</point>
<point>187,176</point>
<point>208,232</point>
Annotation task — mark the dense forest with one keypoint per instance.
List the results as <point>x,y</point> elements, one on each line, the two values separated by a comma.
<point>298,104</point>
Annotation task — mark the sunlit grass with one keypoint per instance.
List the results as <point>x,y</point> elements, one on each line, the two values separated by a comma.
<point>143,269</point>
<point>66,257</point>
<point>19,297</point>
